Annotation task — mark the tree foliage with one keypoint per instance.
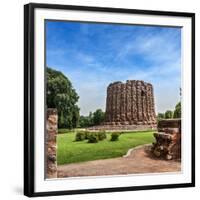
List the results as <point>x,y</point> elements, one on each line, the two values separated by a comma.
<point>168,114</point>
<point>171,114</point>
<point>92,119</point>
<point>86,121</point>
<point>62,95</point>
<point>98,117</point>
<point>160,116</point>
<point>177,111</point>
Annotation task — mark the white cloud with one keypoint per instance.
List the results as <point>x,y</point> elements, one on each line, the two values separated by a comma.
<point>152,47</point>
<point>116,60</point>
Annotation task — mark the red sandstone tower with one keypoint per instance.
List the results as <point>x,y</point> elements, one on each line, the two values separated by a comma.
<point>130,104</point>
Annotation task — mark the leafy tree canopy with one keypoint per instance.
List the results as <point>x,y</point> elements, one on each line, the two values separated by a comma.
<point>92,119</point>
<point>171,114</point>
<point>177,111</point>
<point>62,95</point>
<point>161,116</point>
<point>168,114</point>
<point>98,117</point>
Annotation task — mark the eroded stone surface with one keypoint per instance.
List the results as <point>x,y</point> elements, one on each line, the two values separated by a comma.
<point>168,139</point>
<point>129,104</point>
<point>51,145</point>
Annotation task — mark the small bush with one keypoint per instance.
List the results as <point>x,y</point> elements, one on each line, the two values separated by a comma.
<point>93,138</point>
<point>114,136</point>
<point>87,134</point>
<point>80,136</point>
<point>102,135</point>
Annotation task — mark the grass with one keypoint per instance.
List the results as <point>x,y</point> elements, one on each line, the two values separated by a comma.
<point>70,151</point>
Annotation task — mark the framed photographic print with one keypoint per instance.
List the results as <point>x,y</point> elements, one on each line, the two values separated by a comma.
<point>109,99</point>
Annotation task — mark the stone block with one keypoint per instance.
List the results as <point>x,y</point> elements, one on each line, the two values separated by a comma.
<point>51,145</point>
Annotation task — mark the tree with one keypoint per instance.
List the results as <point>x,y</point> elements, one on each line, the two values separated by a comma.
<point>92,119</point>
<point>160,116</point>
<point>84,121</point>
<point>177,111</point>
<point>75,116</point>
<point>98,117</point>
<point>168,114</point>
<point>62,95</point>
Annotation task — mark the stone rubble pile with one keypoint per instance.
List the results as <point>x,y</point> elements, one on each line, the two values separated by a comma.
<point>168,139</point>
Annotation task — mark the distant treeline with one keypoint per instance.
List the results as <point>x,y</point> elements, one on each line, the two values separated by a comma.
<point>176,113</point>
<point>93,119</point>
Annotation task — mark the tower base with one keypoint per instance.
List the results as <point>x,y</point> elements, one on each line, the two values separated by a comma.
<point>113,128</point>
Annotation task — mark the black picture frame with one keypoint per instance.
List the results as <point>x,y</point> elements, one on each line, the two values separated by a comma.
<point>29,88</point>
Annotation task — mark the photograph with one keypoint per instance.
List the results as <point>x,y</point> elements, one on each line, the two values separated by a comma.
<point>109,99</point>
<point>113,99</point>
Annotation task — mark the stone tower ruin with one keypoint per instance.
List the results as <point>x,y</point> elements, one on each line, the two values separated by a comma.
<point>130,105</point>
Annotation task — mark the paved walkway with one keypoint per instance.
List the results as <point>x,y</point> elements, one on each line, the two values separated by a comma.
<point>138,160</point>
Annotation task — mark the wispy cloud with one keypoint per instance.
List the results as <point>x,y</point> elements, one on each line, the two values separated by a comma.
<point>93,55</point>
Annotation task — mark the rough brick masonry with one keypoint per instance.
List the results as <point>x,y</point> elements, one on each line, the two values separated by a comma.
<point>168,139</point>
<point>51,145</point>
<point>129,106</point>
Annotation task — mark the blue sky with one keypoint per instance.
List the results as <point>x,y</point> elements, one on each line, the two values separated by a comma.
<point>92,55</point>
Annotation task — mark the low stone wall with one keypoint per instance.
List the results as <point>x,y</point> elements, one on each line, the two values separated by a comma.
<point>51,145</point>
<point>168,139</point>
<point>122,127</point>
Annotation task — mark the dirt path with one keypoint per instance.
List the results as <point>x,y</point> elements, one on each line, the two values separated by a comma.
<point>139,160</point>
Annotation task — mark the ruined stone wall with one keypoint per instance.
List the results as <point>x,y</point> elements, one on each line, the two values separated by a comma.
<point>168,139</point>
<point>130,103</point>
<point>51,145</point>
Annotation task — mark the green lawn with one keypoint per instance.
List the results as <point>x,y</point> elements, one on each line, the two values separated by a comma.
<point>70,151</point>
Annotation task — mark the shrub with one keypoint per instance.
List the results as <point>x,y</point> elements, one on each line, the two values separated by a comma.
<point>114,136</point>
<point>80,136</point>
<point>93,138</point>
<point>87,134</point>
<point>101,135</point>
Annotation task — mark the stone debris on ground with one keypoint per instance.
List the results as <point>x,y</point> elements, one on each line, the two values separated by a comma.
<point>168,139</point>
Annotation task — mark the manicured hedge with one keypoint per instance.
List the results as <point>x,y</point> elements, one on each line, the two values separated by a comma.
<point>93,138</point>
<point>102,135</point>
<point>114,136</point>
<point>80,136</point>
